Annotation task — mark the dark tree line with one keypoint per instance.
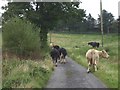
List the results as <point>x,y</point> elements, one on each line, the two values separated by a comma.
<point>118,24</point>
<point>89,25</point>
<point>109,23</point>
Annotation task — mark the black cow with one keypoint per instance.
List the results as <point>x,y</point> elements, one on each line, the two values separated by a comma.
<point>57,47</point>
<point>94,44</point>
<point>55,55</point>
<point>63,54</point>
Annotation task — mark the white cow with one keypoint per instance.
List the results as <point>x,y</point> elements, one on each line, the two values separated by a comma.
<point>93,55</point>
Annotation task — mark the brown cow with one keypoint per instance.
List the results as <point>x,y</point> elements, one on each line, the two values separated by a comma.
<point>93,55</point>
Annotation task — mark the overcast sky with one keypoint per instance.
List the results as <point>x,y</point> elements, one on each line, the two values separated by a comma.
<point>92,6</point>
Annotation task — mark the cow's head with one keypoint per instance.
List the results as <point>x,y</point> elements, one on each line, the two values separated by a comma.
<point>51,44</point>
<point>105,54</point>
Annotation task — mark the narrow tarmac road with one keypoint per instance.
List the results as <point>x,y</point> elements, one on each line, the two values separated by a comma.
<point>73,75</point>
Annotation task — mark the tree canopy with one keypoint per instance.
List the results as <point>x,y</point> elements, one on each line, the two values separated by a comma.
<point>108,19</point>
<point>44,14</point>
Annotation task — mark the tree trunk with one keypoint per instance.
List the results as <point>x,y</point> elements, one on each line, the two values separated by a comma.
<point>108,30</point>
<point>43,37</point>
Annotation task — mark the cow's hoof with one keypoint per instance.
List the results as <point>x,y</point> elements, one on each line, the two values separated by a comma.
<point>59,61</point>
<point>56,65</point>
<point>88,71</point>
<point>63,62</point>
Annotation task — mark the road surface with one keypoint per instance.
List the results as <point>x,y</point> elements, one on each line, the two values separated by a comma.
<point>73,75</point>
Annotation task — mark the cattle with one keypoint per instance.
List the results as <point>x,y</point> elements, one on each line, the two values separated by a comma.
<point>51,45</point>
<point>55,55</point>
<point>63,54</point>
<point>94,44</point>
<point>57,47</point>
<point>93,55</point>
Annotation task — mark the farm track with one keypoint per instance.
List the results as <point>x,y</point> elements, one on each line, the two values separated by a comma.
<point>73,75</point>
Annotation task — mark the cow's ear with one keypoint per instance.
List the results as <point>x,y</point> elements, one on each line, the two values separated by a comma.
<point>103,51</point>
<point>107,50</point>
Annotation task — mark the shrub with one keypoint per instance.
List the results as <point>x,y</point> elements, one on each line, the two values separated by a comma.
<point>20,37</point>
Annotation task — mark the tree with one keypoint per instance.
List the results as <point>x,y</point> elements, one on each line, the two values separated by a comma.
<point>0,25</point>
<point>108,19</point>
<point>43,14</point>
<point>118,24</point>
<point>90,23</point>
<point>114,27</point>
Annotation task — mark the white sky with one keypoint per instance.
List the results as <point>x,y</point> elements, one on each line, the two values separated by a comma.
<point>92,6</point>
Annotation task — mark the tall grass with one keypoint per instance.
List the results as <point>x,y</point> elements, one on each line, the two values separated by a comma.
<point>25,73</point>
<point>0,38</point>
<point>0,60</point>
<point>76,45</point>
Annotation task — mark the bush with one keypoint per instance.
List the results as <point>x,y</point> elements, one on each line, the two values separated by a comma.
<point>20,37</point>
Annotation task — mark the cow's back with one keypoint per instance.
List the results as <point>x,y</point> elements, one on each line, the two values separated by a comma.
<point>63,51</point>
<point>54,53</point>
<point>92,54</point>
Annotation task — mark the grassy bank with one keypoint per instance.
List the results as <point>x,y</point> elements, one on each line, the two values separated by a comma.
<point>26,73</point>
<point>0,60</point>
<point>76,45</point>
<point>0,39</point>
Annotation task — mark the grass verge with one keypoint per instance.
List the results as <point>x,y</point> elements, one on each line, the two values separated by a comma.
<point>26,73</point>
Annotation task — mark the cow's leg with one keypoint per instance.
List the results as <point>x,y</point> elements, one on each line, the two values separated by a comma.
<point>88,70</point>
<point>62,59</point>
<point>56,62</point>
<point>59,59</point>
<point>95,65</point>
<point>53,60</point>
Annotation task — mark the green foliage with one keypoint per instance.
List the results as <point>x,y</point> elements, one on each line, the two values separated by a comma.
<point>0,39</point>
<point>25,73</point>
<point>109,24</point>
<point>20,37</point>
<point>44,14</point>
